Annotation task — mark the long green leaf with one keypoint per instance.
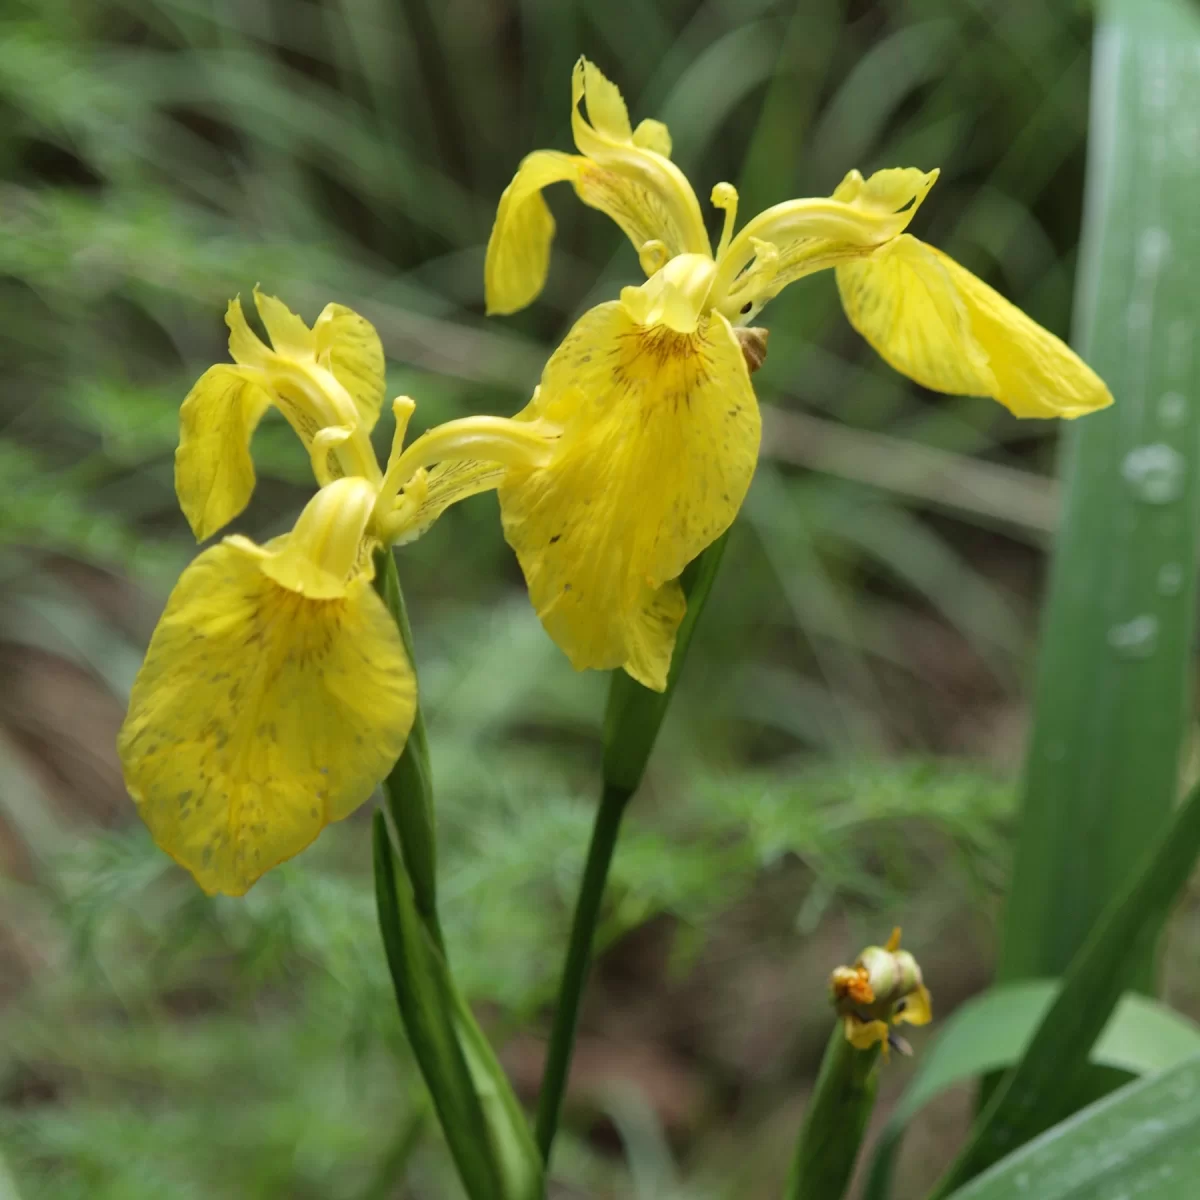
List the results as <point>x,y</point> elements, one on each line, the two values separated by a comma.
<point>1143,1140</point>
<point>1102,768</point>
<point>1041,1089</point>
<point>990,1033</point>
<point>427,1006</point>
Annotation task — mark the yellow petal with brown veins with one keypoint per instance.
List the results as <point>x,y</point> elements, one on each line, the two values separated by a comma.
<point>660,435</point>
<point>261,715</point>
<point>938,324</point>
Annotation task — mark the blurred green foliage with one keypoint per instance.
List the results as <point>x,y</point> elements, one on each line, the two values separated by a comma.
<point>159,156</point>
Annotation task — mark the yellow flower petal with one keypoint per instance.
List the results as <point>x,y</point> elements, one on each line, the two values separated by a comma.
<point>918,1008</point>
<point>214,474</point>
<point>660,434</point>
<point>447,483</point>
<point>288,332</point>
<point>653,135</point>
<point>328,547</point>
<point>349,346</point>
<point>259,716</point>
<point>627,175</point>
<point>862,1035</point>
<point>887,192</point>
<point>605,104</point>
<point>245,346</point>
<point>937,323</point>
<point>788,241</point>
<point>518,252</point>
<point>675,297</point>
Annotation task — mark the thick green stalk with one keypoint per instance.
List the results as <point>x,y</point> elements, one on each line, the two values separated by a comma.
<point>835,1120</point>
<point>1111,702</point>
<point>409,786</point>
<point>631,725</point>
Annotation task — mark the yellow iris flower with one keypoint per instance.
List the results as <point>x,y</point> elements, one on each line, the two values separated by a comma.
<point>658,425</point>
<point>276,691</point>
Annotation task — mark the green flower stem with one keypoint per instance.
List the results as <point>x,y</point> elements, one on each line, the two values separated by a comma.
<point>575,969</point>
<point>835,1120</point>
<point>631,725</point>
<point>409,787</point>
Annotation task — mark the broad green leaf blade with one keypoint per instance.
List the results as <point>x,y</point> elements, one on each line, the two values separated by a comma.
<point>1040,1090</point>
<point>1113,683</point>
<point>1143,1140</point>
<point>990,1032</point>
<point>427,1006</point>
<point>470,1089</point>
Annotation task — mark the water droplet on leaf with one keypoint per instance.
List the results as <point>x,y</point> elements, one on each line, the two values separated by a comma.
<point>1155,473</point>
<point>1172,410</point>
<point>1136,638</point>
<point>1170,579</point>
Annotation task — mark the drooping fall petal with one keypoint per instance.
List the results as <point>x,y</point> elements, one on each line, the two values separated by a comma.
<point>261,715</point>
<point>935,322</point>
<point>660,434</point>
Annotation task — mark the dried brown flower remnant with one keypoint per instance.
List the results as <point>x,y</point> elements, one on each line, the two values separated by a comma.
<point>753,341</point>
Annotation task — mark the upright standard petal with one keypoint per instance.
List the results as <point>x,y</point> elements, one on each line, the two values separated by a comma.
<point>327,382</point>
<point>246,348</point>
<point>660,435</point>
<point>288,332</point>
<point>938,324</point>
<point>260,715</point>
<point>214,473</point>
<point>348,346</point>
<point>626,174</point>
